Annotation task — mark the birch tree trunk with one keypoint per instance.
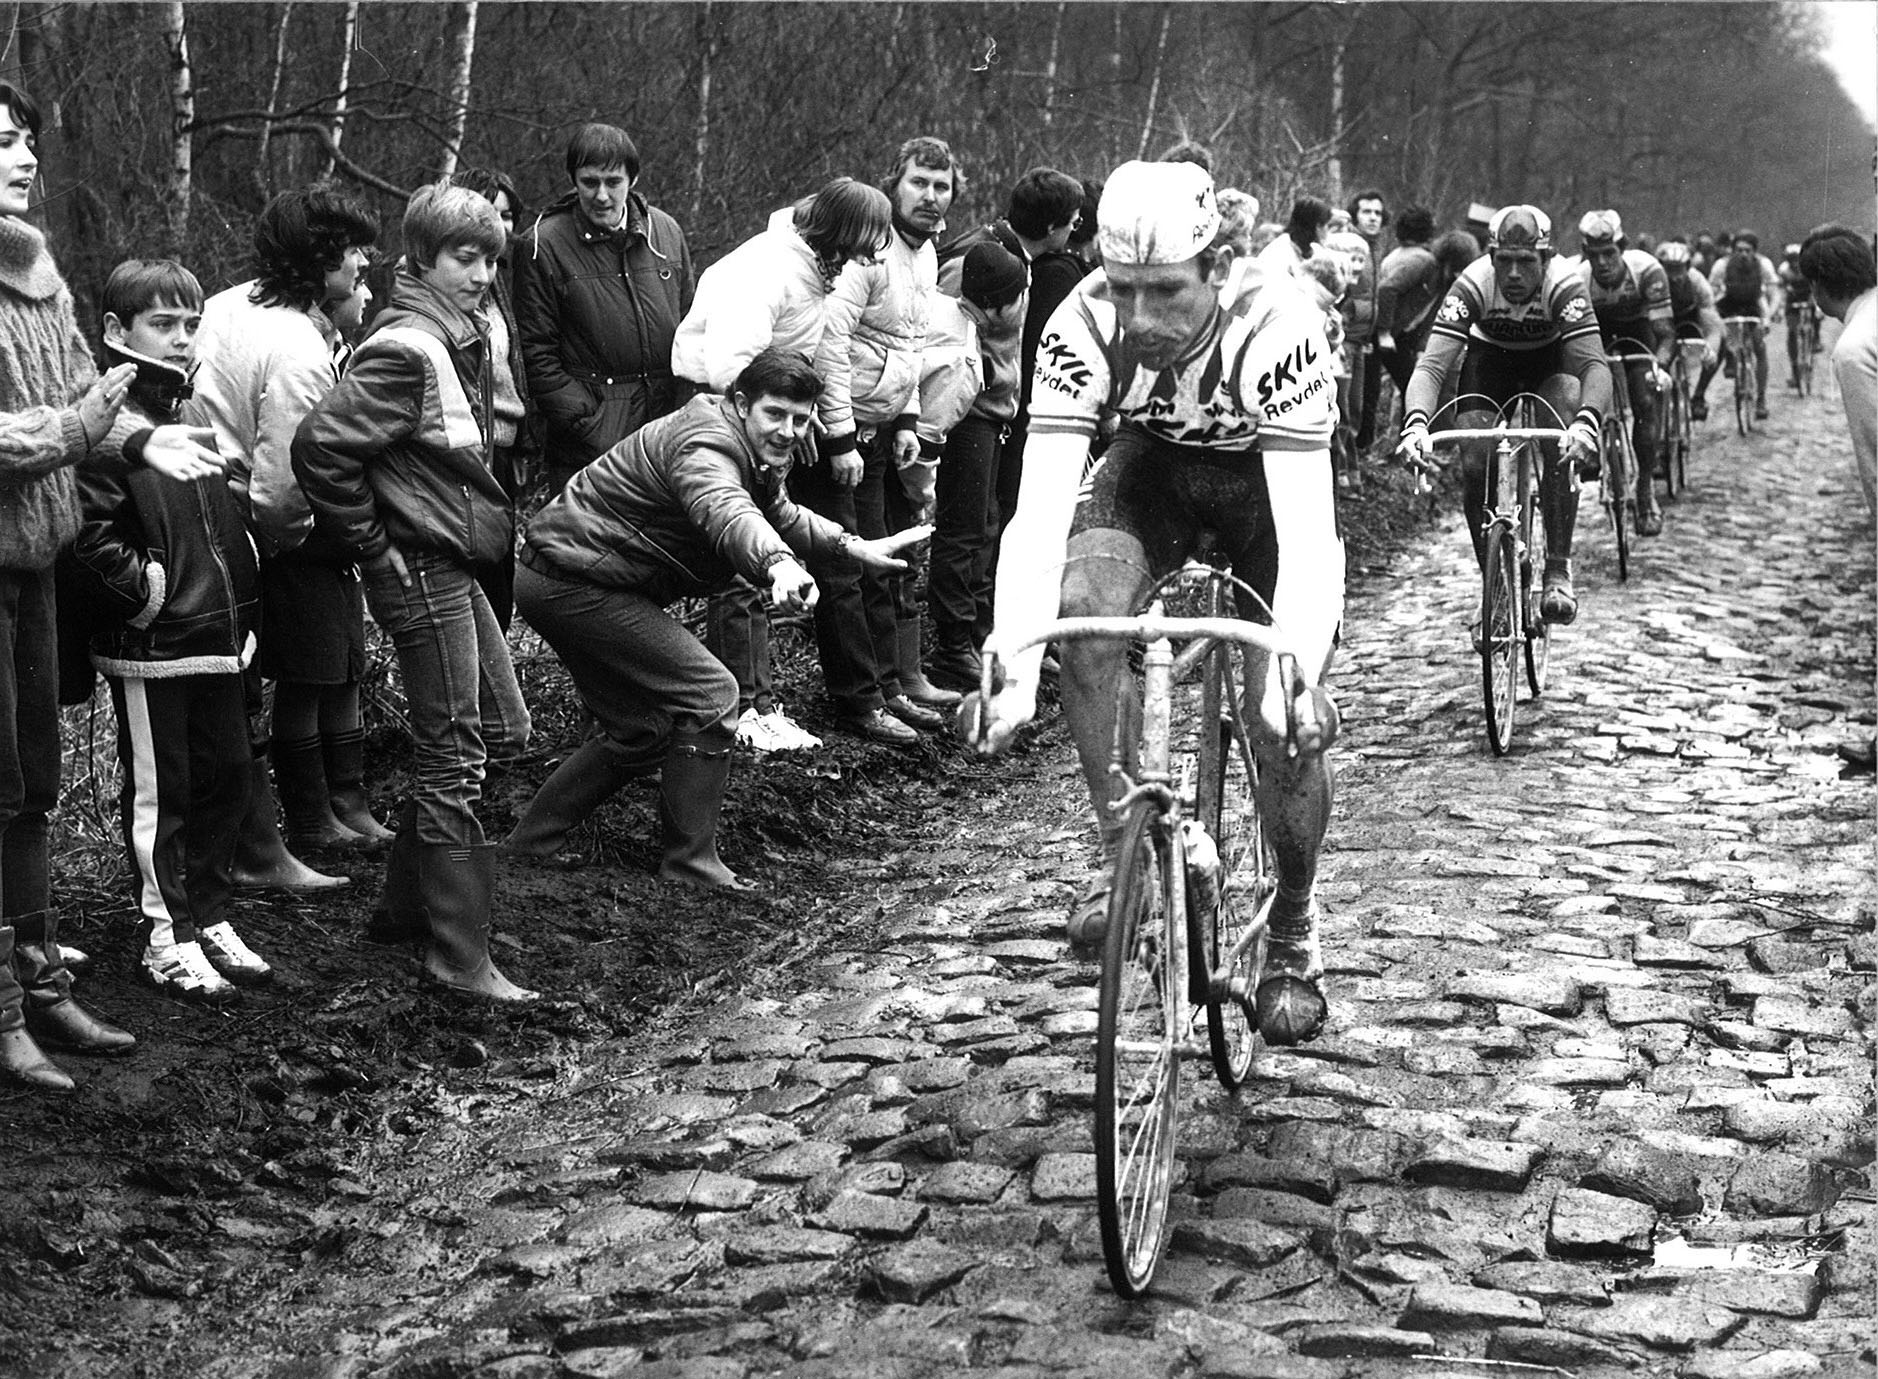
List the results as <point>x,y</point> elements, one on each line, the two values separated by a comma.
<point>1334,168</point>
<point>463,60</point>
<point>1049,66</point>
<point>707,51</point>
<point>182,116</point>
<point>1154,82</point>
<point>351,31</point>
<point>263,175</point>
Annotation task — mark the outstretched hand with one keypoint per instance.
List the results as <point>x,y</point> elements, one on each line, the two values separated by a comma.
<point>883,553</point>
<point>183,452</point>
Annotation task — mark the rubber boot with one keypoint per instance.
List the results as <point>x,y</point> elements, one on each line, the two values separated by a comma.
<point>22,1060</point>
<point>956,662</point>
<point>456,883</point>
<point>587,779</point>
<point>691,795</point>
<point>300,768</point>
<point>398,917</point>
<point>53,1017</point>
<point>344,754</point>
<point>262,861</point>
<point>913,682</point>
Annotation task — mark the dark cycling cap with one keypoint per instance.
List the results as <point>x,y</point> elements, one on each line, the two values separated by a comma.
<point>1747,235</point>
<point>1520,227</point>
<point>1599,228</point>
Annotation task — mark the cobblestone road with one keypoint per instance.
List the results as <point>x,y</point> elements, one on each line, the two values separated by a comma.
<point>1596,1097</point>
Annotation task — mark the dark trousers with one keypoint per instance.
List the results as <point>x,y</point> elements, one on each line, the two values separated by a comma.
<point>182,742</point>
<point>736,630</point>
<point>29,750</point>
<point>854,618</point>
<point>1365,389</point>
<point>965,526</point>
<point>639,672</point>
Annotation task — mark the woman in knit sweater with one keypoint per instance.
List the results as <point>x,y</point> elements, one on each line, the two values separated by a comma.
<point>54,408</point>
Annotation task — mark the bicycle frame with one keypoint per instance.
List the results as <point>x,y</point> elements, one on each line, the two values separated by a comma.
<point>1744,335</point>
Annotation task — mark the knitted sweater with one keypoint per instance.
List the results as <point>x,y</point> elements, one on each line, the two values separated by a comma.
<point>45,368</point>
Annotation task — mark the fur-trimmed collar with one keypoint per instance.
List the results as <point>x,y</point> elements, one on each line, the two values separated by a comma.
<point>26,265</point>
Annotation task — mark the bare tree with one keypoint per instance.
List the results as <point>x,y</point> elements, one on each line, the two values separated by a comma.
<point>341,101</point>
<point>263,174</point>
<point>182,123</point>
<point>463,48</point>
<point>707,55</point>
<point>1154,82</point>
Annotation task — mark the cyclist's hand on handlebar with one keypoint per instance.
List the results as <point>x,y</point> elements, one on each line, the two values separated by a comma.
<point>988,723</point>
<point>1581,439</point>
<point>1414,446</point>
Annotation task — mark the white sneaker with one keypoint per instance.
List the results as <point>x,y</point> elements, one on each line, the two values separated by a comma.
<point>789,735</point>
<point>753,732</point>
<point>182,970</point>
<point>223,947</point>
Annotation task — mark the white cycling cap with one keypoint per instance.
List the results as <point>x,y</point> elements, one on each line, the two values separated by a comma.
<point>1600,227</point>
<point>1156,213</point>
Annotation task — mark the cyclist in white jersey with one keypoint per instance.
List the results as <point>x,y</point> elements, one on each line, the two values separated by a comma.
<point>1218,373</point>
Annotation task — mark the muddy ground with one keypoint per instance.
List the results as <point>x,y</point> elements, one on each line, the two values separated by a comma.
<point>209,1184</point>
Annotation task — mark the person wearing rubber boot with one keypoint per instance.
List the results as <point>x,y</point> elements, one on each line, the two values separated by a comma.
<point>1629,292</point>
<point>55,411</point>
<point>1517,321</point>
<point>397,462</point>
<point>1219,374</point>
<point>681,508</point>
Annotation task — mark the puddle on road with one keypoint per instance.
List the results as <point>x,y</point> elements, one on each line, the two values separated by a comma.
<point>1678,1253</point>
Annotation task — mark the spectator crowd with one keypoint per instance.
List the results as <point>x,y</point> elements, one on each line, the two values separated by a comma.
<point>830,420</point>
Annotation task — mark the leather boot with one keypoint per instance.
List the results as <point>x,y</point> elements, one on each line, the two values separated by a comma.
<point>955,661</point>
<point>587,779</point>
<point>691,794</point>
<point>456,883</point>
<point>300,769</point>
<point>398,917</point>
<point>52,1016</point>
<point>22,1060</point>
<point>262,861</point>
<point>913,682</point>
<point>344,755</point>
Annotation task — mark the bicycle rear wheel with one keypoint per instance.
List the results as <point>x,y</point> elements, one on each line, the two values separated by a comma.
<point>1137,1058</point>
<point>1500,633</point>
<point>1228,808</point>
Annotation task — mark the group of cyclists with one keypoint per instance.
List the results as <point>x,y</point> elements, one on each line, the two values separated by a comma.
<point>1214,372</point>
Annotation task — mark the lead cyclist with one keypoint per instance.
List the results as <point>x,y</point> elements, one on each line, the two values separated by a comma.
<point>1219,374</point>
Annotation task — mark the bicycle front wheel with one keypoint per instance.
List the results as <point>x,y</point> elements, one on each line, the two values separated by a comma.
<point>1744,391</point>
<point>1673,422</point>
<point>1537,631</point>
<point>1618,481</point>
<point>1500,634</point>
<point>1228,809</point>
<point>1137,1053</point>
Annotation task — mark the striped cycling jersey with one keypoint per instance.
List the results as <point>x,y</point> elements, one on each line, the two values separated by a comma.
<point>1258,374</point>
<point>1475,310</point>
<point>1640,296</point>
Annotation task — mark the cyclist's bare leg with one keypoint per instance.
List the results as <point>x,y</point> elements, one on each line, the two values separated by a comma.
<point>1643,406</point>
<point>1474,459</point>
<point>1558,495</point>
<point>1106,575</point>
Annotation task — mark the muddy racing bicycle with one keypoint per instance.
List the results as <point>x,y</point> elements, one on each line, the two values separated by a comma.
<point>1802,343</point>
<point>1190,891</point>
<point>1679,414</point>
<point>1511,627</point>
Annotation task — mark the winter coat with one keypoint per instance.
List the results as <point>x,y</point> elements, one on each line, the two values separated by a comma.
<point>401,451</point>
<point>678,509</point>
<point>869,355</point>
<point>596,311</point>
<point>45,369</point>
<point>261,369</point>
<point>173,571</point>
<point>768,291</point>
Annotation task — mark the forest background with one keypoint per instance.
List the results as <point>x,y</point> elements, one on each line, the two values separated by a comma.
<point>173,123</point>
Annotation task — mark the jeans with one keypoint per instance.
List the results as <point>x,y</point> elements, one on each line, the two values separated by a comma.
<point>639,672</point>
<point>965,527</point>
<point>736,630</point>
<point>29,749</point>
<point>854,618</point>
<point>459,687</point>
